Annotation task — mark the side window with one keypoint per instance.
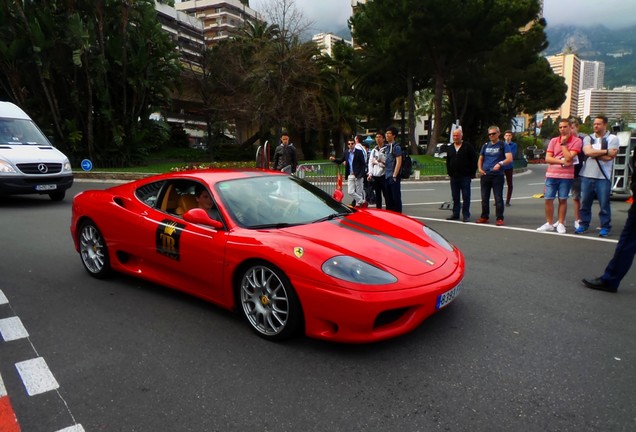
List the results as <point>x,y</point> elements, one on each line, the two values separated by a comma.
<point>149,194</point>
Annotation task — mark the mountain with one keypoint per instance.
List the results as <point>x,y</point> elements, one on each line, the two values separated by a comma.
<point>616,48</point>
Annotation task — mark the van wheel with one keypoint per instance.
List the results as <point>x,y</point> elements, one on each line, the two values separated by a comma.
<point>57,196</point>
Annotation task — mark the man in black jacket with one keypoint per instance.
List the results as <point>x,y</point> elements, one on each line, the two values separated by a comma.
<point>355,170</point>
<point>624,253</point>
<point>285,155</point>
<point>461,164</point>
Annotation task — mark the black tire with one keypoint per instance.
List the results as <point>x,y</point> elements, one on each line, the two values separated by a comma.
<point>57,196</point>
<point>269,303</point>
<point>93,250</point>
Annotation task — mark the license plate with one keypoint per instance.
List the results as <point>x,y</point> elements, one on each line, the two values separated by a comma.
<point>447,297</point>
<point>45,187</point>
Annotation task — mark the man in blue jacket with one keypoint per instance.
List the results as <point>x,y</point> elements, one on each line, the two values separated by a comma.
<point>355,170</point>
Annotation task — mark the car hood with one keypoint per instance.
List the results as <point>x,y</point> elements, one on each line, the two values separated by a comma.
<point>403,247</point>
<point>30,153</point>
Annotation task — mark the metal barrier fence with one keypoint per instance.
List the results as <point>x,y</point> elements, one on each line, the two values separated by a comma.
<point>322,175</point>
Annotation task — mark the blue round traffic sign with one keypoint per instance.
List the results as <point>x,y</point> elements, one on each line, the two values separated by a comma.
<point>87,165</point>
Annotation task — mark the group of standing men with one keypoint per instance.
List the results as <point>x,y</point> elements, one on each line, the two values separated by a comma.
<point>494,163</point>
<point>379,166</point>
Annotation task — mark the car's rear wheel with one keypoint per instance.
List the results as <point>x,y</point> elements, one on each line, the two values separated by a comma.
<point>269,303</point>
<point>57,196</point>
<point>93,250</point>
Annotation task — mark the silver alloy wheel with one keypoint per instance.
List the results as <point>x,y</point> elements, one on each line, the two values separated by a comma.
<point>265,300</point>
<point>93,250</point>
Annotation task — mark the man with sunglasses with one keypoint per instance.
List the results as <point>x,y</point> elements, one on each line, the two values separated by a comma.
<point>355,170</point>
<point>492,158</point>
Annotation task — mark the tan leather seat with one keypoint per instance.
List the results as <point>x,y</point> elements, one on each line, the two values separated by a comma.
<point>185,203</point>
<point>170,199</point>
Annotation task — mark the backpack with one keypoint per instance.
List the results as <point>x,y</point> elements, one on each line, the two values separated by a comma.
<point>406,169</point>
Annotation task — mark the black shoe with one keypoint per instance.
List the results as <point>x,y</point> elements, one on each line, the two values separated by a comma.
<point>598,284</point>
<point>452,218</point>
<point>507,204</point>
<point>466,219</point>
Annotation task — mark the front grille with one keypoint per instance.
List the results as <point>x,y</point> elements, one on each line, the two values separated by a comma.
<point>40,168</point>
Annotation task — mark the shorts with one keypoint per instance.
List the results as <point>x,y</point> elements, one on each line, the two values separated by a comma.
<point>557,185</point>
<point>575,191</point>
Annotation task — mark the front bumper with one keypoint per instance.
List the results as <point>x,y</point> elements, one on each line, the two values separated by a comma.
<point>18,185</point>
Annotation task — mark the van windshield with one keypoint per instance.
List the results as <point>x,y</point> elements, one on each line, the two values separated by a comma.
<point>21,131</point>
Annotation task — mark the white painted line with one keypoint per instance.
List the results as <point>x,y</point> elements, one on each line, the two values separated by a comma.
<point>3,389</point>
<point>511,228</point>
<point>36,376</point>
<point>12,329</point>
<point>74,428</point>
<point>3,298</point>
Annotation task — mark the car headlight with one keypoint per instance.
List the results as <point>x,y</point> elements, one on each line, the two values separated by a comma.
<point>6,168</point>
<point>437,238</point>
<point>66,166</point>
<point>353,270</point>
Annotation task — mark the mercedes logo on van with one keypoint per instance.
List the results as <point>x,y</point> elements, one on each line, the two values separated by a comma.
<point>43,168</point>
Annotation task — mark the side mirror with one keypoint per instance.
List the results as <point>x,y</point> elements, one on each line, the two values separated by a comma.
<point>200,216</point>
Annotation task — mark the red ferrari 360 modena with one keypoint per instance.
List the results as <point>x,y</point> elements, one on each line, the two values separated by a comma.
<point>276,248</point>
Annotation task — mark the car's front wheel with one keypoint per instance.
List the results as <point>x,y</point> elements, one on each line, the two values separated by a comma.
<point>93,250</point>
<point>269,303</point>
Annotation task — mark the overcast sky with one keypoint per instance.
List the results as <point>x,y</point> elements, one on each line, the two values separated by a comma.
<point>332,15</point>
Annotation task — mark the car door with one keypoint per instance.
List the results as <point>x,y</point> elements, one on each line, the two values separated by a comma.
<point>180,254</point>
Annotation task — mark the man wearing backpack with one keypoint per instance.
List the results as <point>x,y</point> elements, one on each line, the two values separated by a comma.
<point>596,176</point>
<point>392,183</point>
<point>492,158</point>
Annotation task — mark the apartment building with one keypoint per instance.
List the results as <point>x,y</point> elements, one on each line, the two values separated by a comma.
<point>619,103</point>
<point>220,18</point>
<point>185,30</point>
<point>326,42</point>
<point>568,66</point>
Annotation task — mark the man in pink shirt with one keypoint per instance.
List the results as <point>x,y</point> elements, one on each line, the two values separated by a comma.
<point>562,156</point>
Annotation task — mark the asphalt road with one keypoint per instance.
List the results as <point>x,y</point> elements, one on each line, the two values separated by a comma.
<point>524,347</point>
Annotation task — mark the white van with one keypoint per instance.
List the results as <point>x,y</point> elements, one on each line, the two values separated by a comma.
<point>29,164</point>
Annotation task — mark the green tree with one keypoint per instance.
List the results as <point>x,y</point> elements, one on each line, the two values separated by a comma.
<point>101,68</point>
<point>458,46</point>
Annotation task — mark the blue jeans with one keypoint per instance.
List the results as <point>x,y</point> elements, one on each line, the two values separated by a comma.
<point>496,183</point>
<point>624,253</point>
<point>393,194</point>
<point>460,186</point>
<point>593,188</point>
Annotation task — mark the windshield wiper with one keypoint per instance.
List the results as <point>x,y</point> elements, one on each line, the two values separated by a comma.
<point>332,216</point>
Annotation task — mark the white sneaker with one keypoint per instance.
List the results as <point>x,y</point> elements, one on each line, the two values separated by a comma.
<point>577,223</point>
<point>557,223</point>
<point>560,228</point>
<point>546,227</point>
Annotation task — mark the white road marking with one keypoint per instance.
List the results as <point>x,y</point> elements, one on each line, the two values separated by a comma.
<point>3,298</point>
<point>511,228</point>
<point>3,389</point>
<point>12,329</point>
<point>36,376</point>
<point>74,428</point>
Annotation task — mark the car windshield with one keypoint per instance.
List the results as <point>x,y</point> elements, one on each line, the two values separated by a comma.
<point>21,131</point>
<point>277,201</point>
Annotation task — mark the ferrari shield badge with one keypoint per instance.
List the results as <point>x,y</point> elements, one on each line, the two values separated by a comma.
<point>298,251</point>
